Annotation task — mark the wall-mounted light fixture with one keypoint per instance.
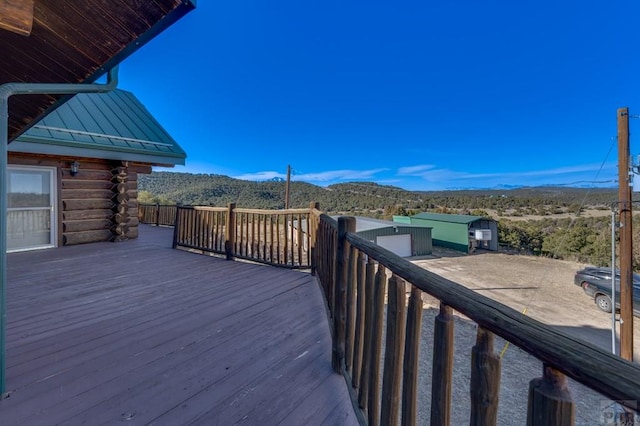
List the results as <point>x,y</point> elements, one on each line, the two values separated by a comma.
<point>75,166</point>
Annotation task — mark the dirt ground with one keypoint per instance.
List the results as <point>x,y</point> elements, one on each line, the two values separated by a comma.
<point>544,289</point>
<point>542,286</point>
<point>588,212</point>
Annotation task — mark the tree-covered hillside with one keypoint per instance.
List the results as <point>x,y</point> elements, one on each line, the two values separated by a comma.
<point>365,198</point>
<point>218,190</point>
<point>585,239</point>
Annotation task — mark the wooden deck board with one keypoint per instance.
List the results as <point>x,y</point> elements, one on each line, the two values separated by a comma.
<point>138,332</point>
<point>135,318</point>
<point>157,344</point>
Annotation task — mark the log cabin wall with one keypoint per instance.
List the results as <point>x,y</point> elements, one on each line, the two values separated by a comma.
<point>99,203</point>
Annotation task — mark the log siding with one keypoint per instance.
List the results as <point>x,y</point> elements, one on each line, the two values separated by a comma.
<point>100,203</point>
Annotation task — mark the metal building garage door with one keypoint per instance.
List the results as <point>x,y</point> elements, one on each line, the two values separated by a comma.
<point>399,244</point>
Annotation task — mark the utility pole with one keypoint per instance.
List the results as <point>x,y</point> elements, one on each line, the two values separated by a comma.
<point>626,237</point>
<point>286,188</point>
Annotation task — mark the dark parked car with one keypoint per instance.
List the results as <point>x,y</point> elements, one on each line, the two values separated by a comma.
<point>596,282</point>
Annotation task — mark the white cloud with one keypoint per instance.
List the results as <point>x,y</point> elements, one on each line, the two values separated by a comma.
<point>326,177</point>
<point>334,175</point>
<point>433,173</point>
<point>267,175</point>
<point>429,176</point>
<point>415,170</point>
<point>447,178</point>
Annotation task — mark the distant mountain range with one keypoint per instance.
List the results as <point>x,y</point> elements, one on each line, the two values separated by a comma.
<point>367,197</point>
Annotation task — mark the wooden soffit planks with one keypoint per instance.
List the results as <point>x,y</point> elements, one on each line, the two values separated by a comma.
<point>16,16</point>
<point>76,41</point>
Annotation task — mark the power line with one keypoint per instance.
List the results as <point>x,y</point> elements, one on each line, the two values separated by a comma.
<point>586,181</point>
<point>543,277</point>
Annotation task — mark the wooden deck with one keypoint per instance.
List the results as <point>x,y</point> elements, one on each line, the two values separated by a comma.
<point>139,333</point>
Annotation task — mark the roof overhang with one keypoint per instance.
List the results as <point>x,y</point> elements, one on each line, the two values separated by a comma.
<point>33,146</point>
<point>77,41</point>
<point>111,126</point>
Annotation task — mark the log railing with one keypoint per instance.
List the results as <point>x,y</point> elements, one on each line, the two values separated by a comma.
<point>274,237</point>
<point>157,214</point>
<point>364,284</point>
<point>368,288</point>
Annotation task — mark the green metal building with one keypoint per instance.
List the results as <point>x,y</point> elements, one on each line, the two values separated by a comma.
<point>405,240</point>
<point>459,232</point>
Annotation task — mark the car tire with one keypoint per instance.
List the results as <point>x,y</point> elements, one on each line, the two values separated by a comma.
<point>603,302</point>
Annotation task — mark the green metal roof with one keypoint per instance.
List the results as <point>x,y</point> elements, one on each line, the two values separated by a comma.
<point>451,218</point>
<point>113,125</point>
<point>368,223</point>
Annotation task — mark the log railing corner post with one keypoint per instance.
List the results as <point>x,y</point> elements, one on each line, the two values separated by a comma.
<point>345,225</point>
<point>230,231</point>
<point>176,228</point>
<point>550,401</point>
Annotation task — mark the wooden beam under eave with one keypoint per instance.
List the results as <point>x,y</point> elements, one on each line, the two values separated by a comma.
<point>17,16</point>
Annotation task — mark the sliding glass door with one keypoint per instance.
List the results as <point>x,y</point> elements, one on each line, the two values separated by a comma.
<point>31,212</point>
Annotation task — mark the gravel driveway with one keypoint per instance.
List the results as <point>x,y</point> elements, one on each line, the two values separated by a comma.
<point>544,287</point>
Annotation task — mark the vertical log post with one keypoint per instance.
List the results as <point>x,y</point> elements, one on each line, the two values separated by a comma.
<point>244,234</point>
<point>312,224</point>
<point>286,238</point>
<point>197,226</point>
<point>351,309</point>
<point>550,402</point>
<point>271,240</point>
<point>176,227</point>
<point>264,235</point>
<point>358,347</point>
<point>208,229</point>
<point>230,231</point>
<point>394,348</point>
<point>411,358</point>
<point>253,243</point>
<point>188,229</point>
<point>367,350</point>
<point>485,380</point>
<point>442,367</point>
<point>345,225</point>
<point>157,214</point>
<point>277,238</point>
<point>373,410</point>
<point>333,265</point>
<point>300,240</point>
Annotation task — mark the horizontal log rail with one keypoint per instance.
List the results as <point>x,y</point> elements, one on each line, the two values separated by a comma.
<point>358,276</point>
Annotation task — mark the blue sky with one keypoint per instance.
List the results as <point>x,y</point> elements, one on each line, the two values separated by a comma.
<point>418,94</point>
